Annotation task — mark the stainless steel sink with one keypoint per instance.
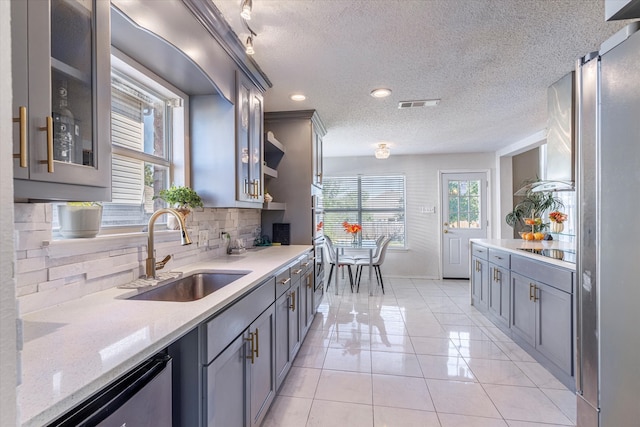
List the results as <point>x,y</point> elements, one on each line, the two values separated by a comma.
<point>189,288</point>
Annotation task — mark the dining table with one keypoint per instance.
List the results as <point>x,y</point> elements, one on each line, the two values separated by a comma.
<point>362,247</point>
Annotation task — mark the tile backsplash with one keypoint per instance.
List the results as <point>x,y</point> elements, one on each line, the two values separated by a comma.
<point>50,272</point>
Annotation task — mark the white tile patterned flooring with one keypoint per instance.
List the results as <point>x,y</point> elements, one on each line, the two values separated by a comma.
<point>419,355</point>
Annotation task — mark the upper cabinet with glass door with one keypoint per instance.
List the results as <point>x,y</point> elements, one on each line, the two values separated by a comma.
<point>61,103</point>
<point>249,131</point>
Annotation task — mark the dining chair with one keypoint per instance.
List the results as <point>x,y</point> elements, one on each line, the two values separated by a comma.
<point>343,261</point>
<point>376,262</point>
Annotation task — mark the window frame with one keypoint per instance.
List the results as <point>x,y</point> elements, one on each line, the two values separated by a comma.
<point>177,150</point>
<point>360,211</point>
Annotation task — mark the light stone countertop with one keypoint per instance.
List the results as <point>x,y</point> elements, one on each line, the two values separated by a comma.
<point>513,246</point>
<point>76,348</point>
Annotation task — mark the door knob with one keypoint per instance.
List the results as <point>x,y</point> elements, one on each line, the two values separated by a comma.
<point>445,231</point>
<point>446,224</point>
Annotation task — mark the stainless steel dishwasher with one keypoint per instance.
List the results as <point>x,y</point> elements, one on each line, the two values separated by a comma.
<point>141,398</point>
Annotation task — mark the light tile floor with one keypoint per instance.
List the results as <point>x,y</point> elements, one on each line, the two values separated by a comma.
<point>419,355</point>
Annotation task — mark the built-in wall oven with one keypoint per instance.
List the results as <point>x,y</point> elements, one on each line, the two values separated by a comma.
<point>317,220</point>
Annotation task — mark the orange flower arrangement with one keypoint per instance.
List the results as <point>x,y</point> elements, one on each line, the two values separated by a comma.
<point>319,226</point>
<point>352,228</point>
<point>557,216</point>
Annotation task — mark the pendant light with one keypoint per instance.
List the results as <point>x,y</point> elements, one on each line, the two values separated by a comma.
<point>245,11</point>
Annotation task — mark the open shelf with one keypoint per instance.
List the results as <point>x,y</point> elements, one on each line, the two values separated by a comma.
<point>274,206</point>
<point>273,151</point>
<point>269,171</point>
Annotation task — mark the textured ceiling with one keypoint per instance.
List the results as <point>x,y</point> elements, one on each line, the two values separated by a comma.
<point>490,61</point>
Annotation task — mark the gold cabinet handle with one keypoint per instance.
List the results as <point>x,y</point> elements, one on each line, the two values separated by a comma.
<point>531,291</point>
<point>306,264</point>
<point>22,120</point>
<point>445,231</point>
<point>257,350</point>
<point>285,281</point>
<point>251,349</point>
<point>292,295</point>
<point>309,282</point>
<point>298,271</point>
<point>49,129</point>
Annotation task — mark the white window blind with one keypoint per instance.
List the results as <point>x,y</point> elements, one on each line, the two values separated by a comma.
<point>375,202</point>
<point>127,130</point>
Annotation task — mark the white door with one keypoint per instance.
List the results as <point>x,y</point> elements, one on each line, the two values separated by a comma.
<point>464,216</point>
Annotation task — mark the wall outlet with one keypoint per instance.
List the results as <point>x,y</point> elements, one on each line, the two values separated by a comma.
<point>203,238</point>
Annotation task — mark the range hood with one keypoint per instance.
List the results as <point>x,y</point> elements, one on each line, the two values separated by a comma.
<point>557,169</point>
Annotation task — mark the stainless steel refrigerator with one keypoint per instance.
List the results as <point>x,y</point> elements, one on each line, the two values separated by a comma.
<point>608,265</point>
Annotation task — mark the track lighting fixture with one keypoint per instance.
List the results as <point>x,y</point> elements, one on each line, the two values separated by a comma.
<point>246,7</point>
<point>249,46</point>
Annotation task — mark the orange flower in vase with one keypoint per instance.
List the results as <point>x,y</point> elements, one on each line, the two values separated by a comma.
<point>557,218</point>
<point>352,229</point>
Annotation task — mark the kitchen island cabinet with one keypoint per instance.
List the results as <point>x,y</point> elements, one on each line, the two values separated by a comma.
<point>480,276</point>
<point>530,298</point>
<point>499,288</point>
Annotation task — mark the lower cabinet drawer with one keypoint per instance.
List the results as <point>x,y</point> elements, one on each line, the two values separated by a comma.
<point>543,272</point>
<point>500,258</point>
<point>479,251</point>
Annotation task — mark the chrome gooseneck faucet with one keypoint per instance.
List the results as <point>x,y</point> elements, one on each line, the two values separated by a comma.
<point>151,265</point>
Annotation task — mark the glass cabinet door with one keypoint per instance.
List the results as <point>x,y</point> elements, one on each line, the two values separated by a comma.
<point>71,81</point>
<point>257,147</point>
<point>243,185</point>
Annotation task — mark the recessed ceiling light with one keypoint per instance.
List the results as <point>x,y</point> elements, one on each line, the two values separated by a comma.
<point>298,97</point>
<point>381,93</point>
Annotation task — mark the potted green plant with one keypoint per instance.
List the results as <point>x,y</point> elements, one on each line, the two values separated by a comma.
<point>527,214</point>
<point>79,219</point>
<point>182,199</point>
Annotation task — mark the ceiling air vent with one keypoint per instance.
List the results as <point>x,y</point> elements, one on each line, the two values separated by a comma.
<point>416,104</point>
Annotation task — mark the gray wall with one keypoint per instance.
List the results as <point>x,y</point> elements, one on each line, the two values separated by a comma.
<point>422,257</point>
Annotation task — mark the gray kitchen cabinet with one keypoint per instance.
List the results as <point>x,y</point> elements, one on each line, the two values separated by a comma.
<point>307,294</point>
<point>61,99</point>
<point>542,310</point>
<point>479,276</point>
<point>240,381</point>
<point>227,147</point>
<point>499,285</point>
<point>523,310</point>
<point>294,315</point>
<point>224,368</point>
<point>299,171</point>
<point>282,357</point>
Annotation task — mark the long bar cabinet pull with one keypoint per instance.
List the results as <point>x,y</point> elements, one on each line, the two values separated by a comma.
<point>22,119</point>
<point>251,350</point>
<point>292,295</point>
<point>535,293</point>
<point>49,129</point>
<point>298,271</point>
<point>531,291</point>
<point>257,350</point>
